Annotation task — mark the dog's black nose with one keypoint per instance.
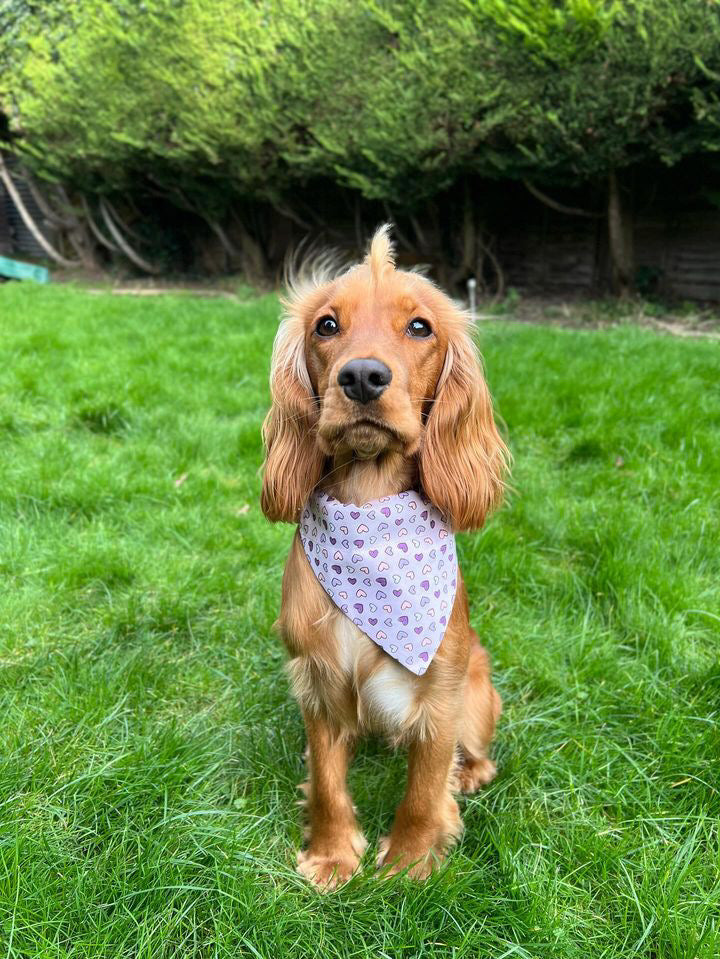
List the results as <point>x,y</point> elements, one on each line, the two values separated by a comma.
<point>364,380</point>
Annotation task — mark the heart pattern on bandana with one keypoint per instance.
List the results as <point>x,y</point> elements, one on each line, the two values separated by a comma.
<point>389,565</point>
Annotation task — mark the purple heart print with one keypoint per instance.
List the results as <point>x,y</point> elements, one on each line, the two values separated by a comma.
<point>385,575</point>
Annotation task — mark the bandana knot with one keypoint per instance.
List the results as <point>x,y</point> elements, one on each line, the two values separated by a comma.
<point>389,565</point>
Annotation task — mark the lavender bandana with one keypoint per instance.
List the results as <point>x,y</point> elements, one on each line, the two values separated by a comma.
<point>389,565</point>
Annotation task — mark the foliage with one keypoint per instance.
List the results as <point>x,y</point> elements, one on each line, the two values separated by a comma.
<point>633,96</point>
<point>148,91</point>
<point>551,32</point>
<point>151,750</point>
<point>19,21</point>
<point>397,99</point>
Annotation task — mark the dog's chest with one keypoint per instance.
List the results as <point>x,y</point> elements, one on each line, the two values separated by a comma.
<point>385,692</point>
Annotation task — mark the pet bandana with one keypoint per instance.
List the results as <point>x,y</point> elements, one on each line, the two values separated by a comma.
<point>390,565</point>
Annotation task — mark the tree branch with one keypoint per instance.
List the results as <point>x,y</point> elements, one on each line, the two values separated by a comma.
<point>52,216</point>
<point>125,247</point>
<point>230,250</point>
<point>396,229</point>
<point>499,273</point>
<point>560,207</point>
<point>121,223</point>
<point>29,222</point>
<point>291,215</point>
<point>95,229</point>
<point>419,233</point>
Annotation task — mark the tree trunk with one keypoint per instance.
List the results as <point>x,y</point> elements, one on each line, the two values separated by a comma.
<point>80,237</point>
<point>82,243</point>
<point>620,240</point>
<point>253,262</point>
<point>469,237</point>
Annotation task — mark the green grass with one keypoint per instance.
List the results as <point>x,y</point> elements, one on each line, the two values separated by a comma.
<point>149,747</point>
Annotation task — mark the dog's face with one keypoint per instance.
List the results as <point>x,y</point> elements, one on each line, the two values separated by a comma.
<point>374,354</point>
<point>375,361</point>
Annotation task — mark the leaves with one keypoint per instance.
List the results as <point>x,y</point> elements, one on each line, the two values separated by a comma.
<point>222,101</point>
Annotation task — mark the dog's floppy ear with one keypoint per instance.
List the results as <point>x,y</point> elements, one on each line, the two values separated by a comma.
<point>293,463</point>
<point>463,459</point>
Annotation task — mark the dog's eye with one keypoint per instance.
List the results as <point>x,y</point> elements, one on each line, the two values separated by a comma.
<point>418,327</point>
<point>327,326</point>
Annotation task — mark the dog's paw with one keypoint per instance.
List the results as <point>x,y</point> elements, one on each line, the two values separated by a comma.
<point>326,873</point>
<point>328,870</point>
<point>473,774</point>
<point>419,850</point>
<point>415,864</point>
<point>389,864</point>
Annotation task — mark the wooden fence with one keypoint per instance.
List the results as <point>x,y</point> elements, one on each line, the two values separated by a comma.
<point>677,256</point>
<point>541,251</point>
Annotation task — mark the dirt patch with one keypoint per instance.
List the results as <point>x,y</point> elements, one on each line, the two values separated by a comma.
<point>687,320</point>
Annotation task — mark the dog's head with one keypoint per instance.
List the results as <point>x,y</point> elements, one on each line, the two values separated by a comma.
<point>378,360</point>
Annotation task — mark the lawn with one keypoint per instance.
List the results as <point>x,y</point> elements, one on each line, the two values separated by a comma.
<point>150,750</point>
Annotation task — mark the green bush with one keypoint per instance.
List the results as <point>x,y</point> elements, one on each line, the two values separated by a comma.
<point>210,102</point>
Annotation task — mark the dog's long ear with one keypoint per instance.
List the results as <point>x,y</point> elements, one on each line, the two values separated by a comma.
<point>463,459</point>
<point>293,463</point>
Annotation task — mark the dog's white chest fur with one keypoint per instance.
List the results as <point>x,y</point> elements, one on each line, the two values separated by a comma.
<point>387,697</point>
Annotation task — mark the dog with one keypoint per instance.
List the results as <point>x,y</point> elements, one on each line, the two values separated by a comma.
<point>378,394</point>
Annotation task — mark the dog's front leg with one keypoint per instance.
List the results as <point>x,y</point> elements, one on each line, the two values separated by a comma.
<point>335,843</point>
<point>427,821</point>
